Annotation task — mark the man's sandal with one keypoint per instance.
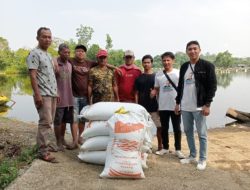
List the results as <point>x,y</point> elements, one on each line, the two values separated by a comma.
<point>51,148</point>
<point>48,158</point>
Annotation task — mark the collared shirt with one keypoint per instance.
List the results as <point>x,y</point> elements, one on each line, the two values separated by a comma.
<point>63,78</point>
<point>41,61</point>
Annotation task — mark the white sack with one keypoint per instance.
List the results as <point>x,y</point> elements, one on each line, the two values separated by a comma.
<point>95,143</point>
<point>123,152</point>
<point>104,110</point>
<point>95,128</point>
<point>94,157</point>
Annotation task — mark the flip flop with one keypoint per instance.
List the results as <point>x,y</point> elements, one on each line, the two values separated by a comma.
<point>48,158</point>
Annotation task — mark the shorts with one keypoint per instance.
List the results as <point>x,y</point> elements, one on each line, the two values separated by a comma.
<point>156,118</point>
<point>63,115</point>
<point>79,103</point>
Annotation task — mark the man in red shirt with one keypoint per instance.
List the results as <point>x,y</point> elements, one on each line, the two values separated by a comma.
<point>126,79</point>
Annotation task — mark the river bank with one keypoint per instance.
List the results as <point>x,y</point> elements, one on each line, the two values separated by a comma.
<point>228,165</point>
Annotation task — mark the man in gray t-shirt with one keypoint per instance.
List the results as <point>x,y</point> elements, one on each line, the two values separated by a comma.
<point>43,82</point>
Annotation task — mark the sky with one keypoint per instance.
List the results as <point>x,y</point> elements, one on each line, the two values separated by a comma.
<point>144,26</point>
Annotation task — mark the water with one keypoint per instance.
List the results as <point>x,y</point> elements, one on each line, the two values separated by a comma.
<point>233,91</point>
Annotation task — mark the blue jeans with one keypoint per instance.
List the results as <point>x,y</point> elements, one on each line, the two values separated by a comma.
<point>201,126</point>
<point>79,103</point>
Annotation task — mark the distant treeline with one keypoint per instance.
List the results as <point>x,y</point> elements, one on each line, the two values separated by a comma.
<point>14,61</point>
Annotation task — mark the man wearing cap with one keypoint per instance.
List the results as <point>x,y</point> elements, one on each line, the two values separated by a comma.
<point>80,72</point>
<point>80,76</point>
<point>125,80</point>
<point>102,85</point>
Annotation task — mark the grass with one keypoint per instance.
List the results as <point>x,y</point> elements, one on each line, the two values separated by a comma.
<point>9,167</point>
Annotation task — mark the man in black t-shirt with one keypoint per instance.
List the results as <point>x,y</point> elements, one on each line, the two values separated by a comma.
<point>143,86</point>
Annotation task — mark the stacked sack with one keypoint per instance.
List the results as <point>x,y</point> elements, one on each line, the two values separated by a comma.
<point>102,130</point>
<point>95,140</point>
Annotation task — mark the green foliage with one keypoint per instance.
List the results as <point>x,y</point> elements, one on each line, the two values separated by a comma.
<point>28,155</point>
<point>180,58</point>
<point>157,62</point>
<point>224,59</point>
<point>84,35</point>
<point>3,44</point>
<point>109,44</point>
<point>209,57</point>
<point>8,172</point>
<point>91,53</point>
<point>72,44</point>
<point>9,168</point>
<point>138,64</point>
<point>116,57</point>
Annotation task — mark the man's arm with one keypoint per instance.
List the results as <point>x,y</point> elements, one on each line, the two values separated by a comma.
<point>90,88</point>
<point>116,95</point>
<point>212,85</point>
<point>115,89</point>
<point>154,92</point>
<point>55,64</point>
<point>136,96</point>
<point>37,96</point>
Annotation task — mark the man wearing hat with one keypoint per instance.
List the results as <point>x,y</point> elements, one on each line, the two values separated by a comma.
<point>80,76</point>
<point>126,79</point>
<point>80,73</point>
<point>101,84</point>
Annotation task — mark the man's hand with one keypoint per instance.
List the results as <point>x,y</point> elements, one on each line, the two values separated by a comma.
<point>205,110</point>
<point>119,71</point>
<point>38,100</point>
<point>153,93</point>
<point>58,99</point>
<point>177,109</point>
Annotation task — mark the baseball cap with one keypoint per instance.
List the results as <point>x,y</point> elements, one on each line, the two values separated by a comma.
<point>102,53</point>
<point>80,46</point>
<point>128,53</point>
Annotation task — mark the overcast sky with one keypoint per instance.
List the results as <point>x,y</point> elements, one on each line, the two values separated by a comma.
<point>145,26</point>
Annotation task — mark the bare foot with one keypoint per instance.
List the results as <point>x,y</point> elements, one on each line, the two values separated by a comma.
<point>72,147</point>
<point>80,140</point>
<point>60,147</point>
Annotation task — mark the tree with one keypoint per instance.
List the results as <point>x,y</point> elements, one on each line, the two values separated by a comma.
<point>157,61</point>
<point>116,57</point>
<point>20,59</point>
<point>6,58</point>
<point>72,44</point>
<point>84,35</point>
<point>92,51</point>
<point>180,58</point>
<point>209,57</point>
<point>109,44</point>
<point>3,44</point>
<point>224,59</point>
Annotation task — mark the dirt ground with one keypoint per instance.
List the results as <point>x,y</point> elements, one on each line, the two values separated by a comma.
<point>228,166</point>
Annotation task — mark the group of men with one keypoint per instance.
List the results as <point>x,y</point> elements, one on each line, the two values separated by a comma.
<point>63,86</point>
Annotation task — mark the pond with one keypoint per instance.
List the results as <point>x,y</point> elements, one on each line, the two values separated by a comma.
<point>233,91</point>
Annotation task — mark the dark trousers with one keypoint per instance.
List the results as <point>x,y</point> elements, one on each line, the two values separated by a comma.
<point>176,121</point>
